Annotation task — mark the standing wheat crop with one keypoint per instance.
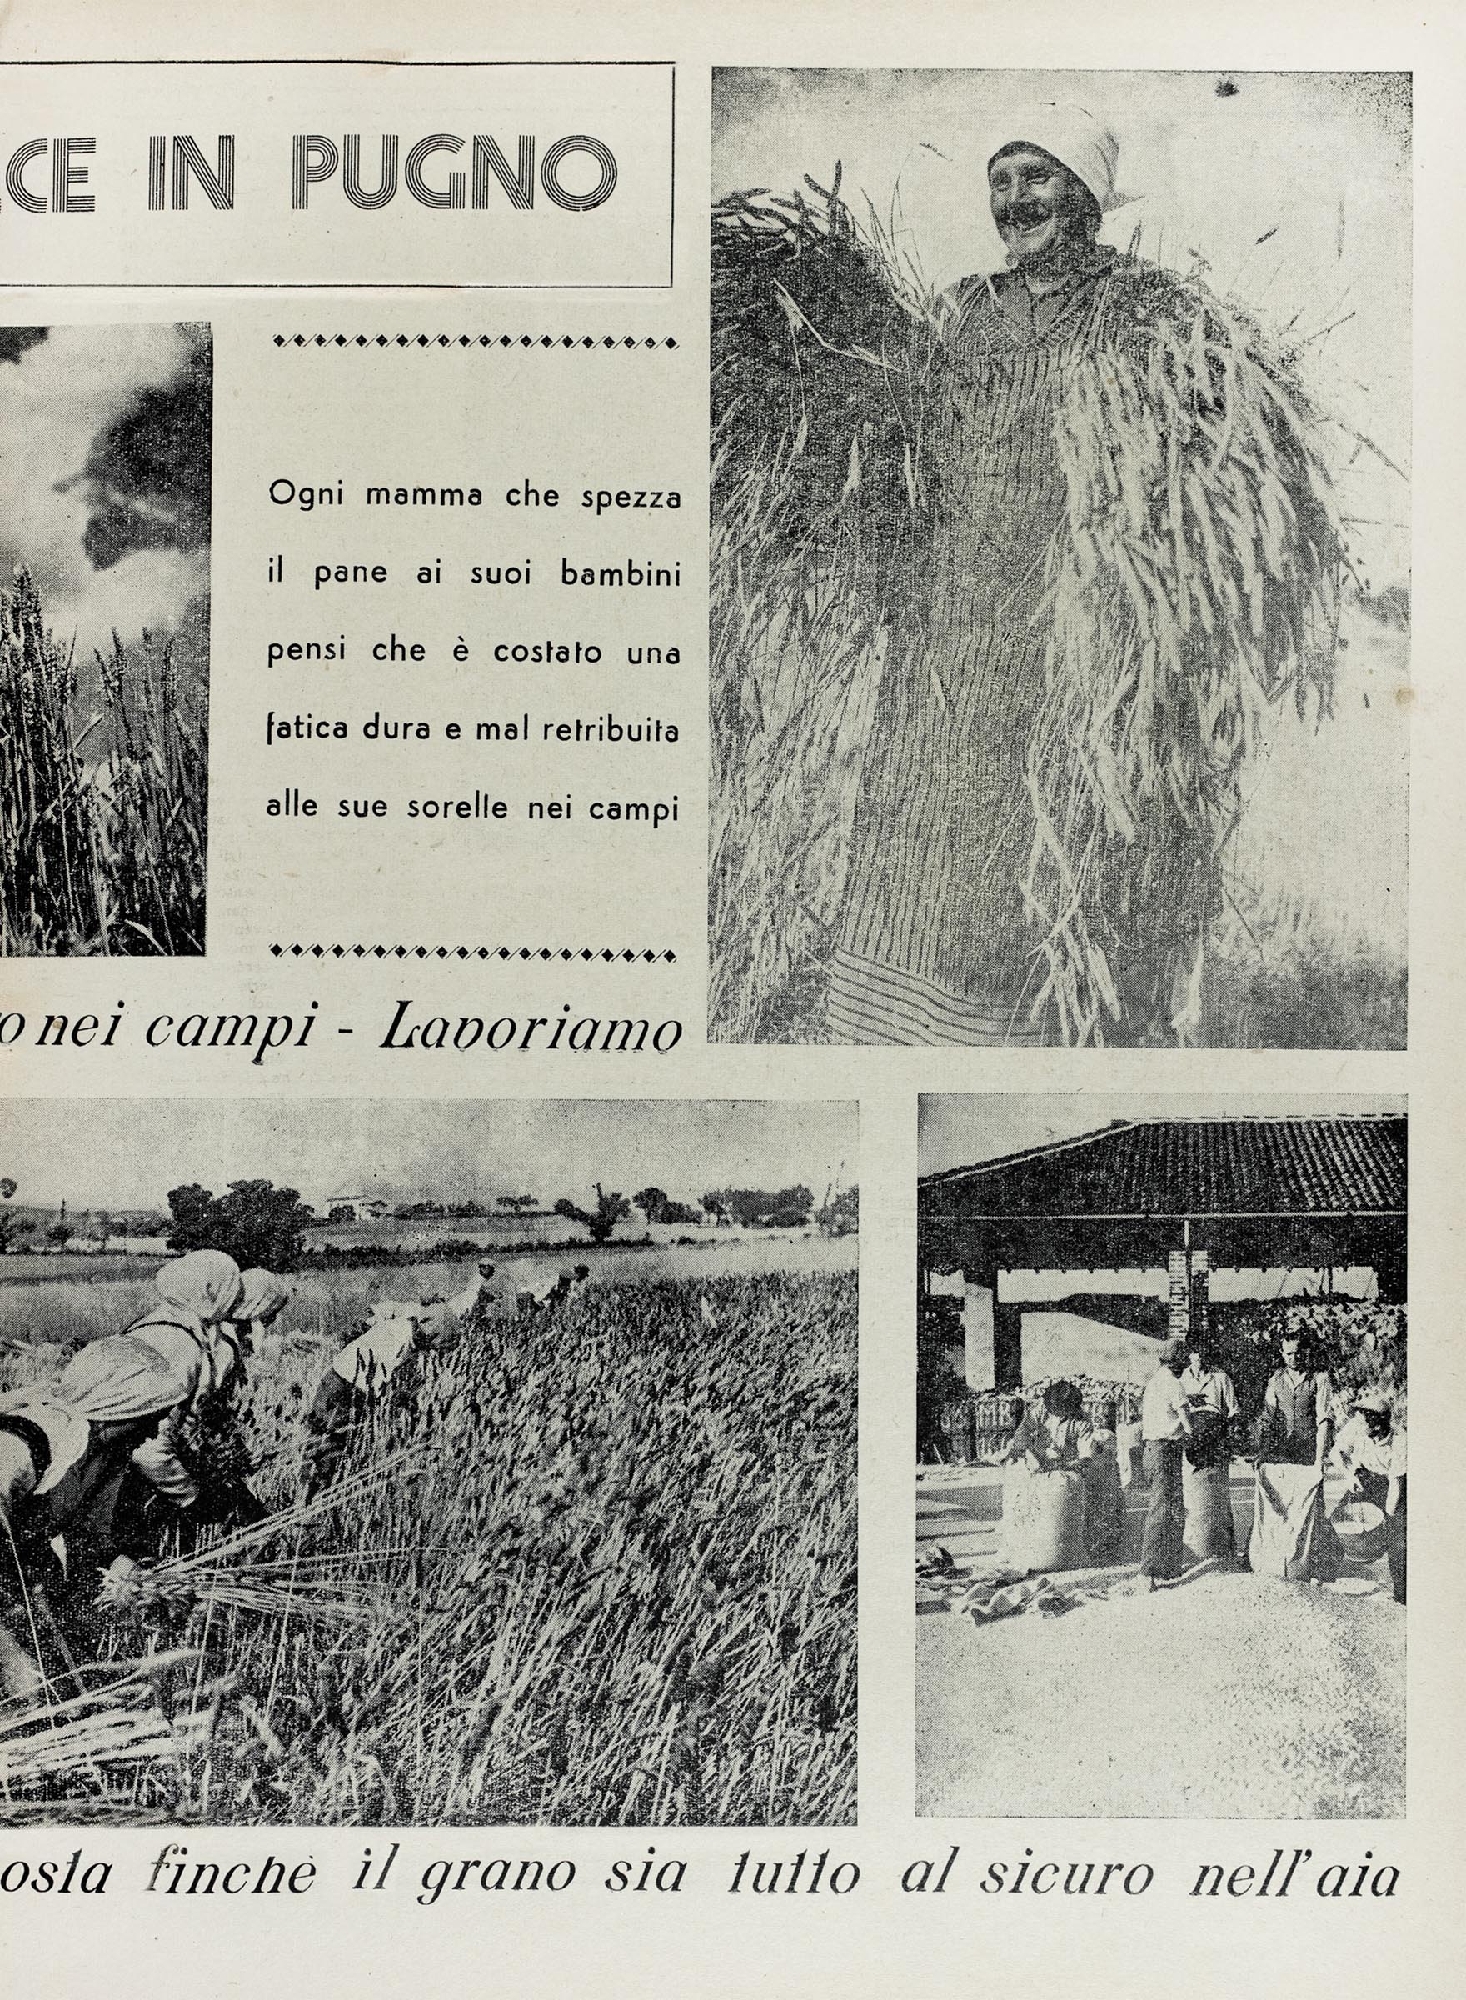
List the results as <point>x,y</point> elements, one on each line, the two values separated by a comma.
<point>102,819</point>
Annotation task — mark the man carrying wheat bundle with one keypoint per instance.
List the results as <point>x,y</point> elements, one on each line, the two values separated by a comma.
<point>1075,517</point>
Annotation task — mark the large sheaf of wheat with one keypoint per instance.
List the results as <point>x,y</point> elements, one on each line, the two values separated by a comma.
<point>1191,583</point>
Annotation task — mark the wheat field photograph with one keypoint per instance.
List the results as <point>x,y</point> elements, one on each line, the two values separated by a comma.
<point>106,448</point>
<point>428,1463</point>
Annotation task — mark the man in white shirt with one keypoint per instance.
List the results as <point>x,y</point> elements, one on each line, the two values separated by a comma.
<point>1165,1425</point>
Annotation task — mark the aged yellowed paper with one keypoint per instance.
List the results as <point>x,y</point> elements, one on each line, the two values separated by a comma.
<point>727,782</point>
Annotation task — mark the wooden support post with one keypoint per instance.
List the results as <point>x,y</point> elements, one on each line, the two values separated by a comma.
<point>1007,1346</point>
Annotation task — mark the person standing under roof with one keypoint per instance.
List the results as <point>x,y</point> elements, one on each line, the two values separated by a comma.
<point>197,1296</point>
<point>1395,1510</point>
<point>1104,1518</point>
<point>1165,1425</point>
<point>1296,1424</point>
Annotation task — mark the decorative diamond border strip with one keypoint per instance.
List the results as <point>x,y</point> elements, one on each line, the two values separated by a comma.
<point>422,341</point>
<point>626,956</point>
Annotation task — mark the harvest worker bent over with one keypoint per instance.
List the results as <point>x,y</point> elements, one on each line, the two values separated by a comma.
<point>63,1457</point>
<point>549,1296</point>
<point>201,1326</point>
<point>374,1370</point>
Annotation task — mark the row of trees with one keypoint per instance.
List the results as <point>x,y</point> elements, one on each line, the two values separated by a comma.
<point>453,1211</point>
<point>750,1208</point>
<point>783,1208</point>
<point>98,1225</point>
<point>258,1223</point>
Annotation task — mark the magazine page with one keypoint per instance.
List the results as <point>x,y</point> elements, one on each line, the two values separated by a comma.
<point>729,967</point>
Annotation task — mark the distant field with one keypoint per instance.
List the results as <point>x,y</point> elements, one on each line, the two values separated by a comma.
<point>33,1268</point>
<point>77,1299</point>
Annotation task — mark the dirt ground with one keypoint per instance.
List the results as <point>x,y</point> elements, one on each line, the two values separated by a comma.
<point>1230,1696</point>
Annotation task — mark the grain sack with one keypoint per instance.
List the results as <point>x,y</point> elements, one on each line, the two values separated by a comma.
<point>1292,1536</point>
<point>1043,1519</point>
<point>1207,1491</point>
<point>1104,1503</point>
<point>1130,1448</point>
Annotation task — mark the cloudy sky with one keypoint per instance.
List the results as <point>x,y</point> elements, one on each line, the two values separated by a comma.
<point>127,1153</point>
<point>960,1131</point>
<point>53,401</point>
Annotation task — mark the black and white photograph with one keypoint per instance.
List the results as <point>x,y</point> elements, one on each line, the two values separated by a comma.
<point>428,1463</point>
<point>1162,1414</point>
<point>106,449</point>
<point>1060,557</point>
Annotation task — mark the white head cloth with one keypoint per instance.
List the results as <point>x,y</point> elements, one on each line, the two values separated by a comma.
<point>203,1285</point>
<point>1077,139</point>
<point>373,1358</point>
<point>260,1292</point>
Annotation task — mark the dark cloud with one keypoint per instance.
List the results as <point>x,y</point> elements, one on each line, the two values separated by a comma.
<point>147,476</point>
<point>14,340</point>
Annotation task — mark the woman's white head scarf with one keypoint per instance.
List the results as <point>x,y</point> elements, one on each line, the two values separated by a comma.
<point>202,1287</point>
<point>1077,139</point>
<point>260,1294</point>
<point>117,1380</point>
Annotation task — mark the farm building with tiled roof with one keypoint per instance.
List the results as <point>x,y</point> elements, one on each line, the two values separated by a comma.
<point>1186,1195</point>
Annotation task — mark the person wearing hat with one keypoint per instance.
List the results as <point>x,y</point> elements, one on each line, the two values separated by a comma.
<point>1165,1425</point>
<point>1054,494</point>
<point>187,1473</point>
<point>1049,191</point>
<point>935,943</point>
<point>1363,1449</point>
<point>189,1326</point>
